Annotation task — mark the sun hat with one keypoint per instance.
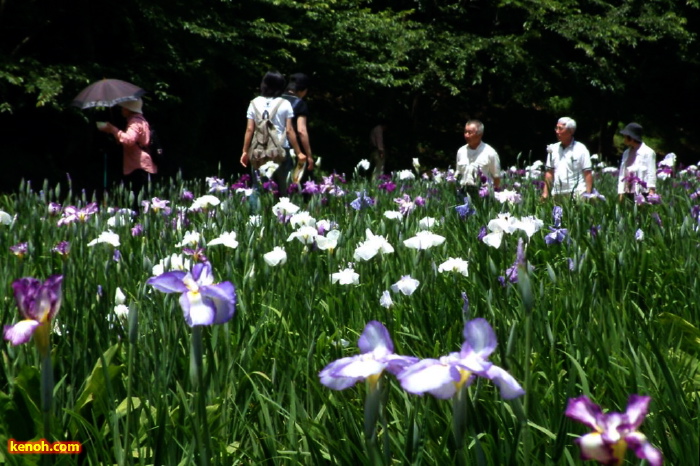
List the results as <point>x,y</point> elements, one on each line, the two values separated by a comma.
<point>133,105</point>
<point>633,130</point>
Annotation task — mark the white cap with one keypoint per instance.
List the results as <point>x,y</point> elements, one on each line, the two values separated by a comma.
<point>133,105</point>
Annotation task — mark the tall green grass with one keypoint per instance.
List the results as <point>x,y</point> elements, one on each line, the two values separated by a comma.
<point>624,320</point>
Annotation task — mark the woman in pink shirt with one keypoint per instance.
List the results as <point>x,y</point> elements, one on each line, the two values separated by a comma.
<point>137,166</point>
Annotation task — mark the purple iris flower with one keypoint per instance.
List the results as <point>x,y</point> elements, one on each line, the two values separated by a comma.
<point>156,205</point>
<point>511,274</point>
<point>557,214</point>
<point>377,354</point>
<point>482,232</point>
<point>465,210</point>
<point>19,249</point>
<point>387,186</point>
<point>310,187</point>
<point>653,199</point>
<point>62,248</point>
<point>187,196</point>
<point>594,194</point>
<point>419,201</point>
<point>362,200</point>
<point>137,230</point>
<point>116,256</point>
<point>444,377</point>
<point>73,214</point>
<point>270,186</point>
<point>197,254</point>
<point>38,303</point>
<point>595,229</point>
<point>406,206</point>
<point>695,212</point>
<point>613,432</point>
<point>203,302</point>
<point>558,235</point>
<point>54,208</point>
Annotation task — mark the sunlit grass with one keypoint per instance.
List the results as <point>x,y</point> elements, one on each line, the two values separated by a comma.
<point>611,316</point>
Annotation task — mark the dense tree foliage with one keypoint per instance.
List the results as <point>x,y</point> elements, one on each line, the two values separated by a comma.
<point>425,66</point>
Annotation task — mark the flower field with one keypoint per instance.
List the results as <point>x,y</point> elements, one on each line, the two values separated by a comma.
<point>359,322</point>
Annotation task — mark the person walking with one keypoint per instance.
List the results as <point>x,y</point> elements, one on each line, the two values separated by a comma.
<point>568,170</point>
<point>297,89</point>
<point>638,165</point>
<point>281,115</point>
<point>138,167</point>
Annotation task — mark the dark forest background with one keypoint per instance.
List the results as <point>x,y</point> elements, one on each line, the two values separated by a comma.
<point>424,66</point>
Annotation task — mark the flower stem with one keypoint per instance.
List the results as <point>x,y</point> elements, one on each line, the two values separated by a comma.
<point>46,393</point>
<point>201,425</point>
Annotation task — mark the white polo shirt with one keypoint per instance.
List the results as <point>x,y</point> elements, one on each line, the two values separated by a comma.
<point>470,161</point>
<point>568,164</point>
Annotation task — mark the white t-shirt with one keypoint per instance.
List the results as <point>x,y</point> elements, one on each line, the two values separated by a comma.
<point>470,161</point>
<point>568,164</point>
<point>284,112</point>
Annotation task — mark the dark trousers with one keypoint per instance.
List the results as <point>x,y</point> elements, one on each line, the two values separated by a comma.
<point>136,181</point>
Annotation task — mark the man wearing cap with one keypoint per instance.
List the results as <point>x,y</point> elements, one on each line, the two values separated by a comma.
<point>568,166</point>
<point>638,165</point>
<point>137,165</point>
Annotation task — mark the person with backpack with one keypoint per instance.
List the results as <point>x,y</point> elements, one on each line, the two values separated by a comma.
<point>137,165</point>
<point>297,89</point>
<point>269,132</point>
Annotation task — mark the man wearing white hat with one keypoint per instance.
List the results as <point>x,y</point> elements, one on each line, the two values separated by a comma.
<point>638,165</point>
<point>137,165</point>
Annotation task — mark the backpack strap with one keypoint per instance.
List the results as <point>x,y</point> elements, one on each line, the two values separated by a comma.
<point>258,114</point>
<point>280,101</point>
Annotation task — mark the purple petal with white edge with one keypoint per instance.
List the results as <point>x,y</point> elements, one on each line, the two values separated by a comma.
<point>359,368</point>
<point>25,291</point>
<point>428,375</point>
<point>52,285</point>
<point>202,273</point>
<point>396,363</point>
<point>611,424</point>
<point>594,448</point>
<point>472,361</point>
<point>508,386</point>
<point>637,408</point>
<point>583,410</point>
<point>375,335</point>
<point>223,297</point>
<point>480,336</point>
<point>329,378</point>
<point>169,282</point>
<point>196,310</point>
<point>21,332</point>
<point>643,449</point>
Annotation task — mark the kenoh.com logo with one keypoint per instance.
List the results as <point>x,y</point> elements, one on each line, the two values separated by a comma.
<point>42,447</point>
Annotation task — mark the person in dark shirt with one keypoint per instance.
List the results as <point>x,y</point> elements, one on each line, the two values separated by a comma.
<point>296,90</point>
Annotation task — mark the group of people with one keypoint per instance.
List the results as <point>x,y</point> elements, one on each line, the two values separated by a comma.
<point>289,118</point>
<point>286,109</point>
<point>568,168</point>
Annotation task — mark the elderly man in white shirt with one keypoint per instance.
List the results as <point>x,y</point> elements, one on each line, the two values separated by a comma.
<point>476,158</point>
<point>638,165</point>
<point>568,166</point>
